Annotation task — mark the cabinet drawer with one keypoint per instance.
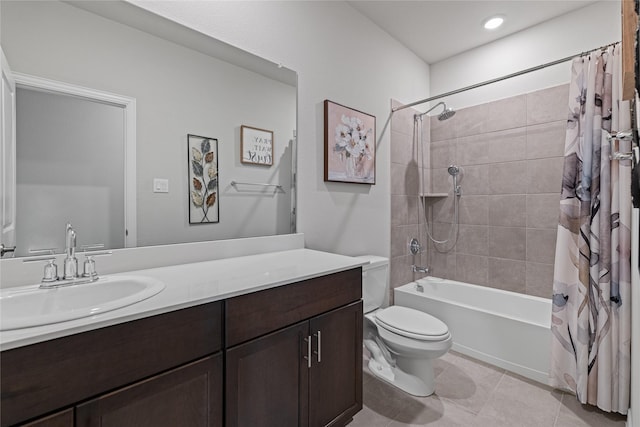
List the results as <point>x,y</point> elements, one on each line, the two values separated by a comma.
<point>42,377</point>
<point>252,315</point>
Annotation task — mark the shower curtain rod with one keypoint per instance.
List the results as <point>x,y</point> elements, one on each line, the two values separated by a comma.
<point>498,79</point>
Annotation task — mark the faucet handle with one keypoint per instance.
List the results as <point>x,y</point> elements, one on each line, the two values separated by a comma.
<point>90,263</point>
<point>415,247</point>
<point>7,249</point>
<point>50,269</point>
<point>90,268</point>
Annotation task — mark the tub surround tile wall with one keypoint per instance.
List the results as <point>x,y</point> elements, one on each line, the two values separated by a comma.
<point>511,153</point>
<point>511,174</point>
<point>406,182</point>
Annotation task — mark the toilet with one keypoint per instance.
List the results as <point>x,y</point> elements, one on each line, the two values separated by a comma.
<point>403,342</point>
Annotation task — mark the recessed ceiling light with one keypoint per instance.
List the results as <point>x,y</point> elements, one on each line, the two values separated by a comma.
<point>493,22</point>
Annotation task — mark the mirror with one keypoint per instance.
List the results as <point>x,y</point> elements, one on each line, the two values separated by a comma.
<point>183,82</point>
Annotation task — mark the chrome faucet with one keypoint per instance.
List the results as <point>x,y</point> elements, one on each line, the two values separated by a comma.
<point>417,269</point>
<point>71,276</point>
<point>70,261</point>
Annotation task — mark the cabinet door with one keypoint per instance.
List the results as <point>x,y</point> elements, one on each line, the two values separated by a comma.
<point>190,395</point>
<point>59,419</point>
<point>335,381</point>
<point>267,380</point>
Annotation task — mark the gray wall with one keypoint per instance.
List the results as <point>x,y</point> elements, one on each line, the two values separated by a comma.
<point>70,168</point>
<point>178,91</point>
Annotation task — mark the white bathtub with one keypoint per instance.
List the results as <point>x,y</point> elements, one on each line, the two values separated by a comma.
<point>505,329</point>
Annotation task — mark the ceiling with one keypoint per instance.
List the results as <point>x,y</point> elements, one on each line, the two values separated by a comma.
<point>437,29</point>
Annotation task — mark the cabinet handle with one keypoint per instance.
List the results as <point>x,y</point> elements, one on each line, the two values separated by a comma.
<point>308,356</point>
<point>319,352</point>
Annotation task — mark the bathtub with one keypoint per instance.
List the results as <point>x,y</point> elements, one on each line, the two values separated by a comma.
<point>506,329</point>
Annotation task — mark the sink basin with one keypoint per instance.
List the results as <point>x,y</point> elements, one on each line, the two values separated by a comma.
<point>29,306</point>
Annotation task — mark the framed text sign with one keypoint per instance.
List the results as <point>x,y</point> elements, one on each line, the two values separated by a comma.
<point>256,146</point>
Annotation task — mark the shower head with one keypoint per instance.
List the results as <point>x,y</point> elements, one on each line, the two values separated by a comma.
<point>446,114</point>
<point>453,170</point>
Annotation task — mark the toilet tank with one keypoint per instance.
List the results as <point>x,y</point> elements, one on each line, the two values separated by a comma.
<point>375,281</point>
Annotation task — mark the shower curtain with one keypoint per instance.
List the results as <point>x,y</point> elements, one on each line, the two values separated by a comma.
<point>591,317</point>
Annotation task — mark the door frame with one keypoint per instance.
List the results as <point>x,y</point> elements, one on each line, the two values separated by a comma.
<point>129,105</point>
<point>8,156</point>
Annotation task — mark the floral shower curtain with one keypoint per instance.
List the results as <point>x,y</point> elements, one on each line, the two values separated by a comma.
<point>591,317</point>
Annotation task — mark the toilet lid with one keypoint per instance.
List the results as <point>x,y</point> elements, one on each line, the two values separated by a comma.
<point>411,323</point>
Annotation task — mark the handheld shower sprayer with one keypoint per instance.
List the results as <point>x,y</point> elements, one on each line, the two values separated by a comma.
<point>454,171</point>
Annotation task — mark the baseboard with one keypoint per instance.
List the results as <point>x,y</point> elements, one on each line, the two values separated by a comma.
<point>532,374</point>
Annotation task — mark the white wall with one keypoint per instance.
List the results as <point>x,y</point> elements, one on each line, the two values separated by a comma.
<point>339,55</point>
<point>579,31</point>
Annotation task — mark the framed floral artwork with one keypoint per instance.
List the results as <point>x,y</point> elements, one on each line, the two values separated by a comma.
<point>256,146</point>
<point>204,203</point>
<point>349,145</point>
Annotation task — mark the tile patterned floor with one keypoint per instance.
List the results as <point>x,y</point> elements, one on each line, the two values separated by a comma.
<point>473,393</point>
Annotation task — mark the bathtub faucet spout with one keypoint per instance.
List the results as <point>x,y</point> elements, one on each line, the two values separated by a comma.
<point>417,269</point>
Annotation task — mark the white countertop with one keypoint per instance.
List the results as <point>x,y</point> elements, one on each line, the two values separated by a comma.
<point>197,283</point>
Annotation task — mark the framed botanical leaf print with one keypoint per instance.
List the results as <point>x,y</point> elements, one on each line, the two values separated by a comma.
<point>204,203</point>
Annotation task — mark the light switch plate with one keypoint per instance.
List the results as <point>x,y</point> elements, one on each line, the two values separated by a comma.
<point>160,185</point>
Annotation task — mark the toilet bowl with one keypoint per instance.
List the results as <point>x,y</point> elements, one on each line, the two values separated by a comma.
<point>403,342</point>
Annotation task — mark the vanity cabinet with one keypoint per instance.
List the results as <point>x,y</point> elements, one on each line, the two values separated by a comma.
<point>286,356</point>
<point>42,378</point>
<point>302,364</point>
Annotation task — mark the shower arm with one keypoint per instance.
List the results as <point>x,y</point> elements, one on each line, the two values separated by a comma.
<point>430,109</point>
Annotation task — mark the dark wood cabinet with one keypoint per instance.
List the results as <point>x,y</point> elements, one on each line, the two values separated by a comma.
<point>59,419</point>
<point>335,377</point>
<point>190,395</point>
<point>297,351</point>
<point>266,380</point>
<point>285,356</point>
<point>42,378</point>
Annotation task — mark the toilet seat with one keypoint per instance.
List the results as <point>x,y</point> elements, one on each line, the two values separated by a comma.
<point>411,323</point>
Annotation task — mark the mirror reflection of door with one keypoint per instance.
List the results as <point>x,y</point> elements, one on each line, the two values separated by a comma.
<point>70,168</point>
<point>7,161</point>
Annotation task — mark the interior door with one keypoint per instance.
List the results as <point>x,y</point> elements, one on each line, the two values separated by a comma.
<point>8,158</point>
